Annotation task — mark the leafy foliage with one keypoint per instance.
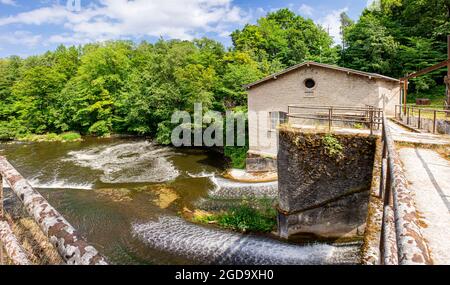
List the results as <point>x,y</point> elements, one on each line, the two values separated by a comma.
<point>249,216</point>
<point>398,37</point>
<point>332,146</point>
<point>123,87</point>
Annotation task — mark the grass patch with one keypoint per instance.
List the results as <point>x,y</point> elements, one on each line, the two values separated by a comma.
<point>257,216</point>
<point>358,126</point>
<point>52,137</point>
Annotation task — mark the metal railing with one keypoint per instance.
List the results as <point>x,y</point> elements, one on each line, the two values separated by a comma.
<point>73,249</point>
<point>369,116</point>
<point>401,240</point>
<point>414,116</point>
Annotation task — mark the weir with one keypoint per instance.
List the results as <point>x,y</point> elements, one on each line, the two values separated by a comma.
<point>212,246</point>
<point>228,189</point>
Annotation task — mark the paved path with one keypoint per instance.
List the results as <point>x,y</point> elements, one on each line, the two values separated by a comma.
<point>429,177</point>
<point>401,134</point>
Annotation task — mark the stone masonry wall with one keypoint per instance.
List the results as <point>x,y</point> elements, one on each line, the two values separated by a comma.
<point>324,186</point>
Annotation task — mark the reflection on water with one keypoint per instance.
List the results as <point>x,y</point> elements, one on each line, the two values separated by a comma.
<point>123,195</point>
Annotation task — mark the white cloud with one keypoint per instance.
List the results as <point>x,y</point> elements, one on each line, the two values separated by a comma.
<point>8,2</point>
<point>306,10</point>
<point>332,23</point>
<point>24,38</point>
<point>113,19</point>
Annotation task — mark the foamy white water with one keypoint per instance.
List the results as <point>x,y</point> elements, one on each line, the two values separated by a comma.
<point>212,246</point>
<point>203,174</point>
<point>60,184</point>
<point>229,189</point>
<point>56,184</point>
<point>139,162</point>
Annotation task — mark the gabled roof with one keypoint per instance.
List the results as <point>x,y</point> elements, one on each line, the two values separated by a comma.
<point>311,63</point>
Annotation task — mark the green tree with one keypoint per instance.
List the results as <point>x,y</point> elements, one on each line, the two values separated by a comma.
<point>287,38</point>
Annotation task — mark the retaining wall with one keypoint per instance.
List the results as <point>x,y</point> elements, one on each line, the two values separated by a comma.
<point>321,192</point>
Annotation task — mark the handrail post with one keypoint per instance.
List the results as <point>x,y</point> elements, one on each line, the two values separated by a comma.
<point>419,124</point>
<point>407,115</point>
<point>330,118</point>
<point>371,122</point>
<point>434,121</point>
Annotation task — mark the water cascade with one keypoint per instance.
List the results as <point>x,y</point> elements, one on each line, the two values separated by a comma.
<point>213,246</point>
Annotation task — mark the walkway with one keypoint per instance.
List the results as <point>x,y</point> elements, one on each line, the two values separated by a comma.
<point>429,177</point>
<point>428,174</point>
<point>401,134</point>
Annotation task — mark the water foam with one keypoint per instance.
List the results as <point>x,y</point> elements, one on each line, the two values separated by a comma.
<point>140,162</point>
<point>203,174</point>
<point>56,184</point>
<point>211,246</point>
<point>60,184</point>
<point>229,189</point>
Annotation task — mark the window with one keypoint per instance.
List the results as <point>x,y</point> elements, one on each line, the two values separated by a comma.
<point>310,83</point>
<point>277,118</point>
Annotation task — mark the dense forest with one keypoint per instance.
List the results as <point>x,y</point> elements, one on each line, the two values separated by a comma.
<point>128,88</point>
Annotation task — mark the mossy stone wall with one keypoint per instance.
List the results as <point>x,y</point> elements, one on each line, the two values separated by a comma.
<point>324,182</point>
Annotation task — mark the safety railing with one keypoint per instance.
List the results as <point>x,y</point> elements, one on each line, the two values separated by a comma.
<point>401,240</point>
<point>415,116</point>
<point>73,249</point>
<point>369,116</point>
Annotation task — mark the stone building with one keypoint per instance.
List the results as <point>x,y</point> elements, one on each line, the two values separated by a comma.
<point>315,84</point>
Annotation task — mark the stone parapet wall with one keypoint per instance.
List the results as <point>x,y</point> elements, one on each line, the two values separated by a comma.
<point>324,183</point>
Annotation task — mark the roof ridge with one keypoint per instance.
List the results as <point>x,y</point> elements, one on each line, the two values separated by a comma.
<point>324,65</point>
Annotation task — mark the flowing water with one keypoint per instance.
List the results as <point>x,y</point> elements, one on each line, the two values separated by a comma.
<point>124,195</point>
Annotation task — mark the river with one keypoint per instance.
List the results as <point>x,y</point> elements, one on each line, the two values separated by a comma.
<point>125,196</point>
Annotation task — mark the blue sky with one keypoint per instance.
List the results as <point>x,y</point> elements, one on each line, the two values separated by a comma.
<point>32,27</point>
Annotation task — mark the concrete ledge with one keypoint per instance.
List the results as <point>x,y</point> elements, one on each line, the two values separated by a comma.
<point>258,164</point>
<point>370,253</point>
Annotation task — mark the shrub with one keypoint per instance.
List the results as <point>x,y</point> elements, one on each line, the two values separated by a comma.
<point>332,146</point>
<point>237,155</point>
<point>100,128</point>
<point>259,217</point>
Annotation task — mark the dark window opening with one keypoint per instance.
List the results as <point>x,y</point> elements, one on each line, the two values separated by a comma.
<point>310,83</point>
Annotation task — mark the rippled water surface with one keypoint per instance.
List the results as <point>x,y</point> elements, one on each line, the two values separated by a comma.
<point>104,186</point>
<point>124,195</point>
